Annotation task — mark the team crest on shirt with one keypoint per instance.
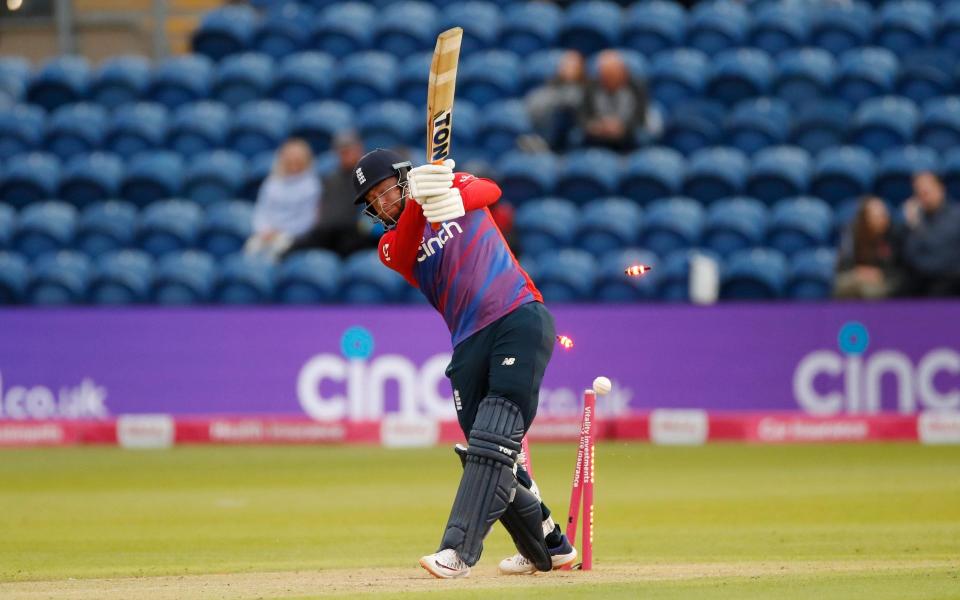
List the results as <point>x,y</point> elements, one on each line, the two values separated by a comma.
<point>429,247</point>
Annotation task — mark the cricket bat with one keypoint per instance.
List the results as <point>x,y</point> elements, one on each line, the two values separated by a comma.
<point>440,91</point>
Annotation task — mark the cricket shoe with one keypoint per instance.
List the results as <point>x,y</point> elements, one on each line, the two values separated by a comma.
<point>562,555</point>
<point>445,564</point>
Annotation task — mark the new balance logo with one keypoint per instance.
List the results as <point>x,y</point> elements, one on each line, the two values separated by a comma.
<point>508,361</point>
<point>456,400</point>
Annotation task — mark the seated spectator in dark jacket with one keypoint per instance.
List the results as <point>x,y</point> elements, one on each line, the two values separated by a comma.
<point>553,107</point>
<point>614,106</point>
<point>932,243</point>
<point>868,262</point>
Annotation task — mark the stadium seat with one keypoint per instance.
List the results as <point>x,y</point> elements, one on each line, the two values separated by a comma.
<point>283,30</point>
<point>883,123</point>
<point>739,74</point>
<point>181,79</point>
<point>185,277</point>
<point>152,176</point>
<point>838,27</point>
<point>843,216</point>
<point>652,26</point>
<point>865,73</point>
<point>405,27</point>
<point>671,224</point>
<point>29,178</point>
<point>799,223</point>
<point>778,172</point>
<point>523,176</point>
<point>242,78</point>
<point>16,67</point>
<point>714,173</point>
<point>591,26</point>
<point>677,75</point>
<point>258,127</point>
<point>390,124</point>
<point>213,177</point>
<point>367,281</point>
<point>106,226</point>
<point>63,80</point>
<point>302,78</point>
<point>169,226</point>
<point>940,124</point>
<point>136,127</point>
<point>500,125</point>
<point>310,277</point>
<point>14,277</point>
<point>226,227</point>
<point>244,280</point>
<point>904,26</point>
<point>608,224</point>
<point>198,127</point>
<point>120,80</point>
<point>88,178</point>
<point>693,125</point>
<point>652,173</point>
<point>21,129</point>
<point>366,77</point>
<point>483,24</point>
<point>673,275</point>
<point>819,125</point>
<point>756,274</point>
<point>75,129</point>
<point>804,75</point>
<point>489,76</point>
<point>567,276</point>
<point>757,124</point>
<point>224,31</point>
<point>318,122</point>
<point>343,29</point>
<point>948,28</point>
<point>810,275</point>
<point>951,172</point>
<point>412,78</point>
<point>588,174</point>
<point>8,224</point>
<point>611,285</point>
<point>778,27</point>
<point>258,168</point>
<point>120,278</point>
<point>529,26</point>
<point>545,225</point>
<point>716,26</point>
<point>59,278</point>
<point>842,172</point>
<point>895,170</point>
<point>926,74</point>
<point>734,224</point>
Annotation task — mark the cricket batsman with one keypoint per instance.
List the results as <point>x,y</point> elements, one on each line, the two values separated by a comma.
<point>503,338</point>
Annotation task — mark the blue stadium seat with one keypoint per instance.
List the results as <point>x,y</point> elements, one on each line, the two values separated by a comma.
<point>611,285</point>
<point>152,176</point>
<point>673,275</point>
<point>367,281</point>
<point>529,26</point>
<point>75,129</point>
<point>224,31</point>
<point>838,27</point>
<point>545,225</point>
<point>671,224</point>
<point>810,275</point>
<point>940,124</point>
<point>283,30</point>
<point>106,226</point>
<point>778,27</point>
<point>842,172</point>
<point>59,278</point>
<point>567,276</point>
<point>904,26</point>
<point>804,75</point>
<point>244,280</point>
<point>716,26</point>
<point>757,124</point>
<point>303,77</point>
<point>366,77</point>
<point>15,66</point>
<point>258,168</point>
<point>523,176</point>
<point>63,80</point>
<point>198,127</point>
<point>309,277</point>
<point>589,174</point>
<point>482,20</point>
<point>948,28</point>
<point>693,125</point>
<point>8,224</point>
<point>819,125</point>
<point>121,278</point>
<point>389,124</point>
<point>714,173</point>
<point>226,227</point>
<point>21,129</point>
<point>319,122</point>
<point>343,29</point>
<point>865,73</point>
<point>926,74</point>
<point>757,274</point>
<point>169,226</point>
<point>652,26</point>
<point>894,182</point>
<point>242,78</point>
<point>951,172</point>
<point>677,75</point>
<point>213,177</point>
<point>488,76</point>
<point>135,128</point>
<point>738,74</point>
<point>843,216</point>
<point>413,76</point>
<point>405,27</point>
<point>28,178</point>
<point>88,178</point>
<point>883,123</point>
<point>591,26</point>
<point>779,172</point>
<point>258,126</point>
<point>183,278</point>
<point>500,125</point>
<point>181,79</point>
<point>799,223</point>
<point>608,224</point>
<point>14,277</point>
<point>734,224</point>
<point>652,173</point>
<point>120,80</point>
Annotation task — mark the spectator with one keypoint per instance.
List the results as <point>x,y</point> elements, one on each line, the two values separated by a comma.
<point>287,202</point>
<point>932,243</point>
<point>615,106</point>
<point>554,107</point>
<point>868,264</point>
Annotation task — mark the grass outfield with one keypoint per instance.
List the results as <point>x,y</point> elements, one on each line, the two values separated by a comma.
<point>721,521</point>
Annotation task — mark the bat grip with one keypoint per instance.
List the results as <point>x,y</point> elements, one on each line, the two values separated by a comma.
<point>436,226</point>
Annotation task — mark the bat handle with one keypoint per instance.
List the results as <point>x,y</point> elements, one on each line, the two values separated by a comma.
<point>436,226</point>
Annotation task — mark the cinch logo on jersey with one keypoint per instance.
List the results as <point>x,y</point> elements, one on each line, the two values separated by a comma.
<point>436,243</point>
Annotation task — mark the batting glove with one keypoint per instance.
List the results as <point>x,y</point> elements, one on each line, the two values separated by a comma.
<point>444,207</point>
<point>430,180</point>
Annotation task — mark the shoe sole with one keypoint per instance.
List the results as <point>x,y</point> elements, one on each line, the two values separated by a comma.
<point>426,566</point>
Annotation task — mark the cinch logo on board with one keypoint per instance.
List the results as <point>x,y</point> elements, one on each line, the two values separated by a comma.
<point>826,382</point>
<point>436,243</point>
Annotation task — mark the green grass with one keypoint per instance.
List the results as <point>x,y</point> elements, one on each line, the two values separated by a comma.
<point>106,512</point>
